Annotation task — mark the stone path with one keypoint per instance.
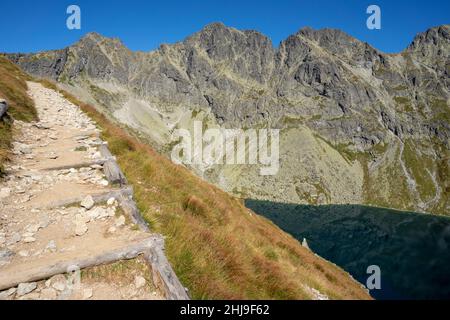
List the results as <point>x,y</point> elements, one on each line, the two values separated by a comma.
<point>48,216</point>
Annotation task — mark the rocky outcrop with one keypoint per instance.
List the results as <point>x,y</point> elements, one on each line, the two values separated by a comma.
<point>364,103</point>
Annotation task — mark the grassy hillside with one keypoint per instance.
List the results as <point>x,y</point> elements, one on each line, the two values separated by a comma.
<point>218,248</point>
<point>13,88</point>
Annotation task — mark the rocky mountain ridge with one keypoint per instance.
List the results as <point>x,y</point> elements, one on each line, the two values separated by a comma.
<point>358,125</point>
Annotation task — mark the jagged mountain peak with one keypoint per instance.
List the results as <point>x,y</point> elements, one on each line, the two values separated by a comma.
<point>433,36</point>
<point>94,38</point>
<point>218,34</point>
<point>340,43</point>
<point>432,49</point>
<point>325,35</point>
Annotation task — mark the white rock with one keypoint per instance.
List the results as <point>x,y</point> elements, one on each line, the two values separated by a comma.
<point>36,178</point>
<point>305,243</point>
<point>7,293</point>
<point>58,282</point>
<point>104,183</point>
<point>111,201</point>
<point>120,221</point>
<point>22,148</point>
<point>48,294</point>
<point>81,229</point>
<point>37,253</point>
<point>111,212</point>
<point>53,156</point>
<point>5,193</point>
<point>139,282</point>
<point>32,229</point>
<point>28,234</point>
<point>25,288</point>
<point>29,239</point>
<point>44,222</point>
<point>16,237</point>
<point>82,218</point>
<point>24,253</point>
<point>94,213</point>
<point>5,256</point>
<point>112,229</point>
<point>88,203</point>
<point>87,294</point>
<point>51,246</point>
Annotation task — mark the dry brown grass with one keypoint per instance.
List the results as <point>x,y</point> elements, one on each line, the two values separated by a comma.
<point>121,272</point>
<point>218,248</point>
<point>13,88</point>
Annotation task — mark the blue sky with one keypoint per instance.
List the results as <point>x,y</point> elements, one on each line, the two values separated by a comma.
<point>30,26</point>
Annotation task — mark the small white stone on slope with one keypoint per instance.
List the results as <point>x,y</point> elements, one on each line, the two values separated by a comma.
<point>16,237</point>
<point>139,282</point>
<point>53,156</point>
<point>112,229</point>
<point>111,201</point>
<point>87,294</point>
<point>58,282</point>
<point>29,239</point>
<point>7,293</point>
<point>120,221</point>
<point>25,288</point>
<point>88,203</point>
<point>81,229</point>
<point>5,193</point>
<point>24,253</point>
<point>51,246</point>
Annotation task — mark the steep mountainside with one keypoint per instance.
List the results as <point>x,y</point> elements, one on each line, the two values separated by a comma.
<point>358,125</point>
<point>218,248</point>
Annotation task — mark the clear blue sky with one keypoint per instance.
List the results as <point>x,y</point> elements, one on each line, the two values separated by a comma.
<point>30,26</point>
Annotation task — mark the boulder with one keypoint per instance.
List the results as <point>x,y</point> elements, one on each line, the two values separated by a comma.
<point>139,282</point>
<point>88,203</point>
<point>5,193</point>
<point>25,288</point>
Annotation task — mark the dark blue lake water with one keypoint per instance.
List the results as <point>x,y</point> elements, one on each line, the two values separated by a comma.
<point>411,249</point>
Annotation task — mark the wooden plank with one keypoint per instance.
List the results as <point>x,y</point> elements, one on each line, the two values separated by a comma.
<point>98,198</point>
<point>111,169</point>
<point>129,251</point>
<point>164,278</point>
<point>77,165</point>
<point>129,207</point>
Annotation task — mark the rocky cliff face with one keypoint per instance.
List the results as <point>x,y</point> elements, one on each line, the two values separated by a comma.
<point>358,125</point>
